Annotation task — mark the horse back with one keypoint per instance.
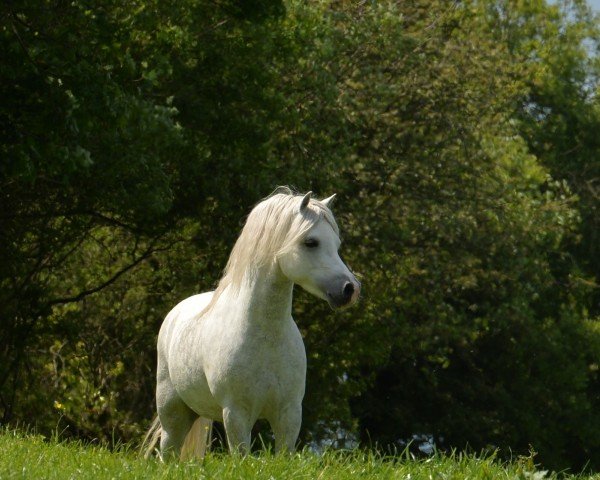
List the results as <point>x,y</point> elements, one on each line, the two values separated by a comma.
<point>182,313</point>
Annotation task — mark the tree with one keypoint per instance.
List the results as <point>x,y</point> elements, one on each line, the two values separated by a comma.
<point>76,138</point>
<point>469,230</point>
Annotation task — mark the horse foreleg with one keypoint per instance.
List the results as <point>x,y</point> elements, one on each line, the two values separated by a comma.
<point>238,427</point>
<point>286,427</point>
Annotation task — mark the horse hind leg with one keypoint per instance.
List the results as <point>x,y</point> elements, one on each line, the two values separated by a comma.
<point>176,420</point>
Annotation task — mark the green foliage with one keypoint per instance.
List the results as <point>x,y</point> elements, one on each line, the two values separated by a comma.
<point>561,117</point>
<point>459,136</point>
<point>76,138</point>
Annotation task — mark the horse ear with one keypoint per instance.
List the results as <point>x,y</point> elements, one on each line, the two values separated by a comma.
<point>305,201</point>
<point>328,201</point>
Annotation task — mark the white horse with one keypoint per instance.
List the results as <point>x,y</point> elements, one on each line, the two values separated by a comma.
<point>235,354</point>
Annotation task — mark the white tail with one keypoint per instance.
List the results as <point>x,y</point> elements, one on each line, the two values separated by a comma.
<point>197,441</point>
<point>195,445</point>
<point>151,438</point>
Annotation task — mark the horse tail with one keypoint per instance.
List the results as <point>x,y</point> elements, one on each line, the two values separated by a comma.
<point>152,437</point>
<point>195,445</point>
<point>197,441</point>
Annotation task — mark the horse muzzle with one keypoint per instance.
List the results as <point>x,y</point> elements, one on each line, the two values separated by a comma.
<point>345,294</point>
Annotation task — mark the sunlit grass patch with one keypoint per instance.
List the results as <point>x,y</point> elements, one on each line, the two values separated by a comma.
<point>36,457</point>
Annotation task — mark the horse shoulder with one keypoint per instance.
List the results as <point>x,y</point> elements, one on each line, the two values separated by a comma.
<point>294,354</point>
<point>295,341</point>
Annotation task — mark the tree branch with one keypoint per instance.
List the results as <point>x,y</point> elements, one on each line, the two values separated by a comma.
<point>22,44</point>
<point>81,295</point>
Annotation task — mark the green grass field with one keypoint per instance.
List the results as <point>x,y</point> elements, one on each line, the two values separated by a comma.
<point>31,456</point>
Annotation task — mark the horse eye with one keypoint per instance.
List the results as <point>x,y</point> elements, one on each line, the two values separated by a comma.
<point>311,243</point>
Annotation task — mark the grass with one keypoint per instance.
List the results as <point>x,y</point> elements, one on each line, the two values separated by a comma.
<point>27,456</point>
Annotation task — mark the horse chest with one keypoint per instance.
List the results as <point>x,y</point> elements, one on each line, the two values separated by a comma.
<point>258,366</point>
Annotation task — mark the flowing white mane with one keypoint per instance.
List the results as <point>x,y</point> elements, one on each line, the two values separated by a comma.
<point>272,226</point>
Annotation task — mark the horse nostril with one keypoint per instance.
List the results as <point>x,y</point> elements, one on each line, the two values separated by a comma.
<point>348,290</point>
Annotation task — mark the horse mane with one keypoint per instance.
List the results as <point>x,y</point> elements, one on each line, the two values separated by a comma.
<point>272,227</point>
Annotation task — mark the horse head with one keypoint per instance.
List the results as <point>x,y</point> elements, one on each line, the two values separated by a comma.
<point>311,259</point>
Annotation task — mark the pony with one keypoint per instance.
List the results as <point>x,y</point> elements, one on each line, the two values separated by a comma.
<point>235,355</point>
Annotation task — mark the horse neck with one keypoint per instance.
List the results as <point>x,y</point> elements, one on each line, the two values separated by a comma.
<point>267,298</point>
